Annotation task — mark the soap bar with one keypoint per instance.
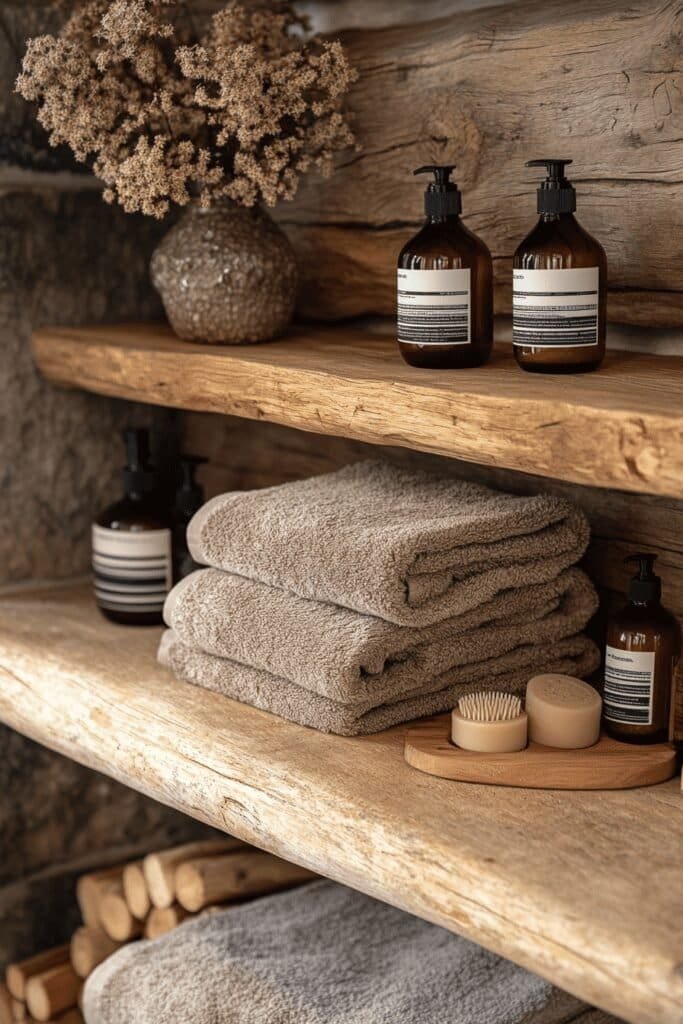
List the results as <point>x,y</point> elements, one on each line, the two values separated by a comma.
<point>502,737</point>
<point>563,711</point>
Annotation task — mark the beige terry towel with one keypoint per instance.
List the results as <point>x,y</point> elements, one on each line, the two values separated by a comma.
<point>320,955</point>
<point>575,656</point>
<point>406,546</point>
<point>353,658</point>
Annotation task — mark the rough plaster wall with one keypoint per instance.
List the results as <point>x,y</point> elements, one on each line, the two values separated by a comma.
<point>65,257</point>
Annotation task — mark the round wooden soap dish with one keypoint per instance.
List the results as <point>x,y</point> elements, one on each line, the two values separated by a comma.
<point>607,765</point>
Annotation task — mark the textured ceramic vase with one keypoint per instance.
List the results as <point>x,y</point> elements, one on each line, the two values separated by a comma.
<point>226,275</point>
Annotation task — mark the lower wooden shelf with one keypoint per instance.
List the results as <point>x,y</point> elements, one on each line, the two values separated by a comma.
<point>584,888</point>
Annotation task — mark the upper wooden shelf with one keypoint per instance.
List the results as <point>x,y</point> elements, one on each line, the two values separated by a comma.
<point>583,888</point>
<point>621,427</point>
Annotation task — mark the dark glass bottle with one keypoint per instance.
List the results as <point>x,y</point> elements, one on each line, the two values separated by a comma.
<point>131,544</point>
<point>643,647</point>
<point>559,285</point>
<point>445,285</point>
<point>189,499</point>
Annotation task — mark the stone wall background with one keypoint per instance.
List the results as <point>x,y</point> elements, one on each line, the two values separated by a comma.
<point>65,257</point>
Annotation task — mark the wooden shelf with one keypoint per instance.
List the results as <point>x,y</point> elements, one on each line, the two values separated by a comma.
<point>583,888</point>
<point>621,427</point>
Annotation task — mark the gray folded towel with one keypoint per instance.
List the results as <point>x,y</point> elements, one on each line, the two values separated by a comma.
<point>576,656</point>
<point>407,546</point>
<point>320,955</point>
<point>353,658</point>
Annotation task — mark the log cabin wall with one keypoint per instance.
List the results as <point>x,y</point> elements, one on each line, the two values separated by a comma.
<point>487,90</point>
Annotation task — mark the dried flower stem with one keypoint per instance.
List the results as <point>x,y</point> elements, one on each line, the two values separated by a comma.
<point>162,113</point>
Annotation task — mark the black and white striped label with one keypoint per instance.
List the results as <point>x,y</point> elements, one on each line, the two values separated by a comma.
<point>629,682</point>
<point>132,571</point>
<point>555,308</point>
<point>434,307</point>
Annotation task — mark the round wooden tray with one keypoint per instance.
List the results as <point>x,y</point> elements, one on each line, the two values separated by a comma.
<point>607,765</point>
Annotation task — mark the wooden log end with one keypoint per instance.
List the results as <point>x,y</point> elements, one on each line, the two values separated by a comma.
<point>164,919</point>
<point>18,974</point>
<point>159,868</point>
<point>135,890</point>
<point>117,920</point>
<point>52,992</point>
<point>89,947</point>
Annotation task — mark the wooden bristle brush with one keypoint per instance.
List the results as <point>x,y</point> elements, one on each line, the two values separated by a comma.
<point>490,707</point>
<point>489,722</point>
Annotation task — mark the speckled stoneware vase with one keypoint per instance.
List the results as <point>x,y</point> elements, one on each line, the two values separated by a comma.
<point>226,275</point>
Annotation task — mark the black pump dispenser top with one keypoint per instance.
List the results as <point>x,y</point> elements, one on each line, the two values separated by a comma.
<point>556,194</point>
<point>442,196</point>
<point>138,475</point>
<point>646,585</point>
<point>190,494</point>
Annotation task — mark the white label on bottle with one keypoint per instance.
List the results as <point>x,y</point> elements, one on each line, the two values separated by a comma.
<point>555,308</point>
<point>434,307</point>
<point>132,571</point>
<point>629,683</point>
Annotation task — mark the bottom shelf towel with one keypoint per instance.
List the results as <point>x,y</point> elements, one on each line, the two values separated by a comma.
<point>320,955</point>
<point>576,656</point>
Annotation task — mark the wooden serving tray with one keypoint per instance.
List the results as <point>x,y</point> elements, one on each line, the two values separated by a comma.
<point>607,765</point>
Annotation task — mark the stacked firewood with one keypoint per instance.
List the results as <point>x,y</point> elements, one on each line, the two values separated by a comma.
<point>142,900</point>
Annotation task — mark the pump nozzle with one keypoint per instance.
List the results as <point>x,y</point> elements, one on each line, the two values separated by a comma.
<point>190,494</point>
<point>137,448</point>
<point>553,165</point>
<point>138,474</point>
<point>645,585</point>
<point>556,194</point>
<point>442,173</point>
<point>442,196</point>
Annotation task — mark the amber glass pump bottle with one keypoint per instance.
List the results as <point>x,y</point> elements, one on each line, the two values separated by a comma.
<point>188,500</point>
<point>643,647</point>
<point>131,544</point>
<point>445,285</point>
<point>559,285</point>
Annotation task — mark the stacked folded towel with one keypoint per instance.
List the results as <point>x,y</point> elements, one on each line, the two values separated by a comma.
<point>361,599</point>
<point>320,955</point>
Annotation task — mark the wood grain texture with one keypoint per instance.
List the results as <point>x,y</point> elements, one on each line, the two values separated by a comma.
<point>607,765</point>
<point>488,90</point>
<point>204,881</point>
<point>245,455</point>
<point>621,427</point>
<point>584,888</point>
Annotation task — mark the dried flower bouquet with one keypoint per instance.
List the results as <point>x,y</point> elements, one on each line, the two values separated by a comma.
<point>165,110</point>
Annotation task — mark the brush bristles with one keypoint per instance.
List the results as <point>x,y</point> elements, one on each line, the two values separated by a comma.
<point>490,707</point>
